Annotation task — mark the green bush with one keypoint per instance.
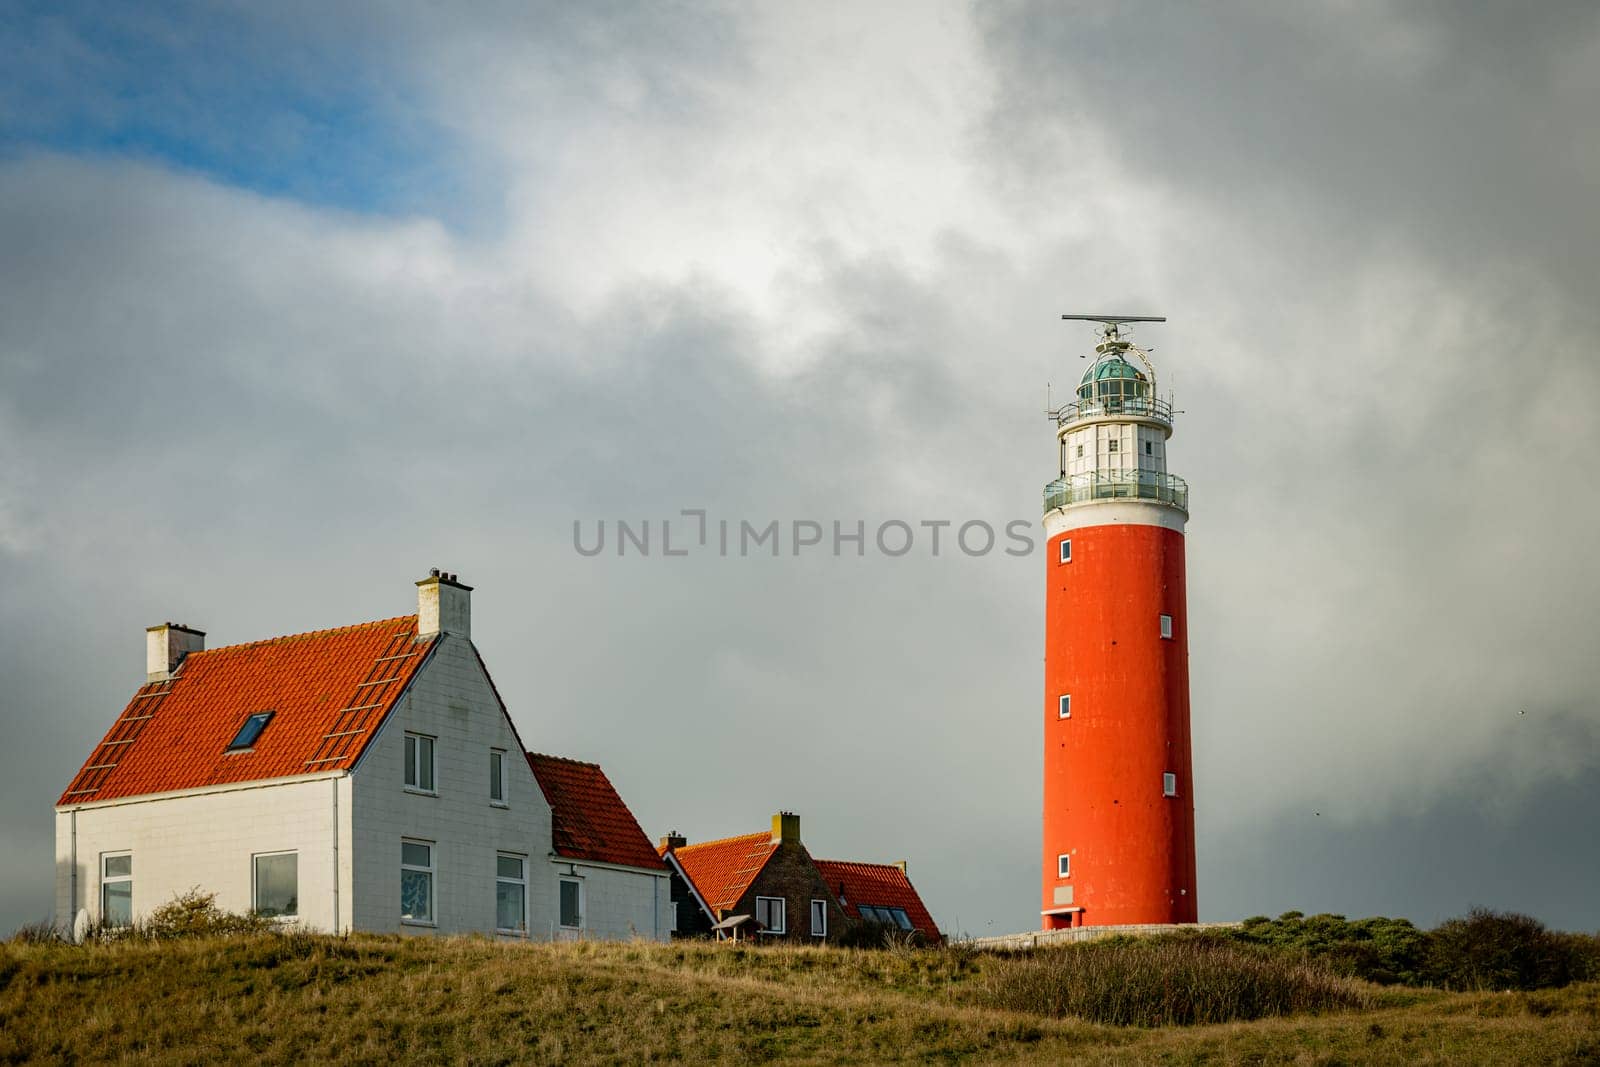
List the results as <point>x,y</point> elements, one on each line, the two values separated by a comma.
<point>1166,982</point>
<point>1377,949</point>
<point>1486,950</point>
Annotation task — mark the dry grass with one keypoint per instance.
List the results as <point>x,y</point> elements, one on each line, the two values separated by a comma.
<point>383,999</point>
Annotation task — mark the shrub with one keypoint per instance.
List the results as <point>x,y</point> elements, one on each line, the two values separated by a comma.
<point>867,934</point>
<point>1503,950</point>
<point>1377,949</point>
<point>1166,982</point>
<point>195,914</point>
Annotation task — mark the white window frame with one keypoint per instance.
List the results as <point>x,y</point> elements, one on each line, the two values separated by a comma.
<point>411,755</point>
<point>1169,784</point>
<point>576,882</point>
<point>1064,865</point>
<point>1166,627</point>
<point>521,929</point>
<point>783,914</point>
<point>432,871</point>
<point>819,907</point>
<point>497,757</point>
<point>1064,550</point>
<point>116,879</point>
<point>1064,706</point>
<point>672,916</point>
<point>255,902</point>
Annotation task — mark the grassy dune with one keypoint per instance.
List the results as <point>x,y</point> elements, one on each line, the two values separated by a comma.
<point>378,999</point>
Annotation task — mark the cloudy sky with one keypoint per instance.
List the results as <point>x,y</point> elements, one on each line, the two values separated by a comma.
<point>295,304</point>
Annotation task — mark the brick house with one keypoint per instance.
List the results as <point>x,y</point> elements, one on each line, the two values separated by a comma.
<point>360,778</point>
<point>610,883</point>
<point>762,885</point>
<point>880,893</point>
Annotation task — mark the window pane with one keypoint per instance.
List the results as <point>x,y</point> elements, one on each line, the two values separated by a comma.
<point>508,867</point>
<point>413,854</point>
<point>416,895</point>
<point>901,919</point>
<point>411,760</point>
<point>569,904</point>
<point>497,786</point>
<point>250,730</point>
<point>278,885</point>
<point>508,905</point>
<point>116,903</point>
<point>118,866</point>
<point>425,763</point>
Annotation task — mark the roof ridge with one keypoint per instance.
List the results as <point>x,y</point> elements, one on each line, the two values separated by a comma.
<point>862,863</point>
<point>305,634</point>
<point>565,759</point>
<point>725,841</point>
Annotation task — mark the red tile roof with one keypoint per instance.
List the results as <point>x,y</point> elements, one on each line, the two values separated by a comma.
<point>590,820</point>
<point>882,885</point>
<point>722,870</point>
<point>328,692</point>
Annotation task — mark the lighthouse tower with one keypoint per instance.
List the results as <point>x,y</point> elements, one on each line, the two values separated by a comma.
<point>1118,793</point>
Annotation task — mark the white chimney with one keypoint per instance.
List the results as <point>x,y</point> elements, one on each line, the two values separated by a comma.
<point>444,605</point>
<point>166,645</point>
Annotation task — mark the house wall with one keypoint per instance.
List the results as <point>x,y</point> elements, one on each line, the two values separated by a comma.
<point>619,903</point>
<point>692,918</point>
<point>791,874</point>
<point>205,840</point>
<point>451,700</point>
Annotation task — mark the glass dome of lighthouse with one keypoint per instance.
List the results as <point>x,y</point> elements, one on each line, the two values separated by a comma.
<point>1111,379</point>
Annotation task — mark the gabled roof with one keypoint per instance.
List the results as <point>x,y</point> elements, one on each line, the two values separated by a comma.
<point>722,870</point>
<point>589,818</point>
<point>329,691</point>
<point>882,885</point>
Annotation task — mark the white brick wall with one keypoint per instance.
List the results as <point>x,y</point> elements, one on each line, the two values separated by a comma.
<point>204,840</point>
<point>619,903</point>
<point>450,700</point>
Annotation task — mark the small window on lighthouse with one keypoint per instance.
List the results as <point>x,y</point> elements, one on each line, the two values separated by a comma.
<point>1080,451</point>
<point>1147,448</point>
<point>1066,706</point>
<point>1066,550</point>
<point>1166,627</point>
<point>1111,445</point>
<point>1169,784</point>
<point>1063,866</point>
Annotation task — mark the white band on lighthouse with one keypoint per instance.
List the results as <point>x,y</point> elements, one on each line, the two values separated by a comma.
<point>1113,513</point>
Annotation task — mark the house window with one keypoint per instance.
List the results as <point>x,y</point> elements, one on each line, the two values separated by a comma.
<point>672,916</point>
<point>246,737</point>
<point>276,885</point>
<point>497,776</point>
<point>510,894</point>
<point>416,880</point>
<point>1065,710</point>
<point>1166,627</point>
<point>1066,550</point>
<point>1063,866</point>
<point>900,918</point>
<point>116,888</point>
<point>419,763</point>
<point>571,903</point>
<point>819,918</point>
<point>1169,784</point>
<point>772,914</point>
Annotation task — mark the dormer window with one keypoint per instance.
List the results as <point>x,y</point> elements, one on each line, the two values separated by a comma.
<point>246,737</point>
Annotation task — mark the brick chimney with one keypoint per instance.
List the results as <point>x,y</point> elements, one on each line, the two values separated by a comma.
<point>673,840</point>
<point>166,645</point>
<point>785,828</point>
<point>444,605</point>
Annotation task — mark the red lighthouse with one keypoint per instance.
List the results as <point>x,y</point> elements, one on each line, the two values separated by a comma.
<point>1118,793</point>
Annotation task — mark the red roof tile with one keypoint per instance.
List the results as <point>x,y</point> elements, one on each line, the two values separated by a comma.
<point>328,692</point>
<point>590,820</point>
<point>882,885</point>
<point>722,870</point>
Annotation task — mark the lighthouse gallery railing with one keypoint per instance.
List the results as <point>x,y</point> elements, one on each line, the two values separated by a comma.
<point>1117,485</point>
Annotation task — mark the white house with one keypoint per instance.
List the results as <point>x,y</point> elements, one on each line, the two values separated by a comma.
<point>363,778</point>
<point>610,882</point>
